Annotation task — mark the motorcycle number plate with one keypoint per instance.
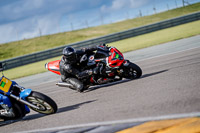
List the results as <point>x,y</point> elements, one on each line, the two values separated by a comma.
<point>5,84</point>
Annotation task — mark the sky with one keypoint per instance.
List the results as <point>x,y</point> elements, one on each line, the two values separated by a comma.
<point>24,19</point>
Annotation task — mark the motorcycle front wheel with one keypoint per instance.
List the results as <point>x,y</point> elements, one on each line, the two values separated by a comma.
<point>45,104</point>
<point>132,71</point>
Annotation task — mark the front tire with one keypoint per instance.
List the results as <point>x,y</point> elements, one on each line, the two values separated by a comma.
<point>132,71</point>
<point>46,104</point>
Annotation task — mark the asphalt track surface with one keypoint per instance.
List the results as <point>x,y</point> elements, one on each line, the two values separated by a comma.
<point>170,86</point>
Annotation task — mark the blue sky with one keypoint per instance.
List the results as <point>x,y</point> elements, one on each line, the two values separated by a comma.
<point>23,19</point>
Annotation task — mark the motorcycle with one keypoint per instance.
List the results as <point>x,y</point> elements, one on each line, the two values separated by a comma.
<point>15,100</point>
<point>111,63</point>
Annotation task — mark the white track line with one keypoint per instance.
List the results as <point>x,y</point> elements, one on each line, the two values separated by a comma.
<point>136,120</point>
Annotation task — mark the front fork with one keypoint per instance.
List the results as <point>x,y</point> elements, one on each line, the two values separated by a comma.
<point>123,71</point>
<point>22,96</point>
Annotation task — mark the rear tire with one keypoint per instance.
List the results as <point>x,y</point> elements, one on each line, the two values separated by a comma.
<point>46,104</point>
<point>19,110</point>
<point>132,71</point>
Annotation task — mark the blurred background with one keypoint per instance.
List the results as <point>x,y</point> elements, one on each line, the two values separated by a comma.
<point>25,19</point>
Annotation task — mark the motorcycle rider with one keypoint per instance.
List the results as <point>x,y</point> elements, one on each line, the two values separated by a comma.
<point>70,67</point>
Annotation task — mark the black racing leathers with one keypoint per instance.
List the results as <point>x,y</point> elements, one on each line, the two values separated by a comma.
<point>71,72</point>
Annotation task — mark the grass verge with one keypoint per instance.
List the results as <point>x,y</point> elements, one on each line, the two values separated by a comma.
<point>142,41</point>
<point>158,37</point>
<point>28,46</point>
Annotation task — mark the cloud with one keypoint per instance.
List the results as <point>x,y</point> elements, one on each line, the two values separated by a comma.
<point>23,9</point>
<point>28,18</point>
<point>122,4</point>
<point>7,31</point>
<point>29,28</point>
<point>19,10</point>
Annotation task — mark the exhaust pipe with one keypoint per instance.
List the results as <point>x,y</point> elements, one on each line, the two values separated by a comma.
<point>64,84</point>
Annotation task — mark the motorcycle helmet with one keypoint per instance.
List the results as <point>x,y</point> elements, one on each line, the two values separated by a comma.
<point>69,54</point>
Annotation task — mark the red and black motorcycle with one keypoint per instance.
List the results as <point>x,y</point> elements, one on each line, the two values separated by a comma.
<point>110,60</point>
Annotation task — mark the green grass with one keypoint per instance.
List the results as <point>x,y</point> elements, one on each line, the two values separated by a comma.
<point>142,41</point>
<point>28,46</point>
<point>158,37</point>
<point>29,69</point>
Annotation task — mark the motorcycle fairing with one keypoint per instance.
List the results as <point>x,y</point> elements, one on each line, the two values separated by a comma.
<point>126,62</point>
<point>116,59</point>
<point>5,100</point>
<point>24,93</point>
<point>27,109</point>
<point>53,66</point>
<point>5,84</point>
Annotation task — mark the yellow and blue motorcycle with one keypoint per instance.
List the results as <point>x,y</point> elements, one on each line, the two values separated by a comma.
<point>15,100</point>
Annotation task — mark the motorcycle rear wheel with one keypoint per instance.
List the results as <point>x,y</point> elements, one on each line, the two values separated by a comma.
<point>46,104</point>
<point>132,71</point>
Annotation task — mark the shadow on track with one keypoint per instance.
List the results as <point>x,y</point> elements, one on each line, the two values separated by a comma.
<point>152,74</point>
<point>106,85</point>
<point>3,123</point>
<point>60,110</point>
<point>76,106</point>
<point>122,81</point>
